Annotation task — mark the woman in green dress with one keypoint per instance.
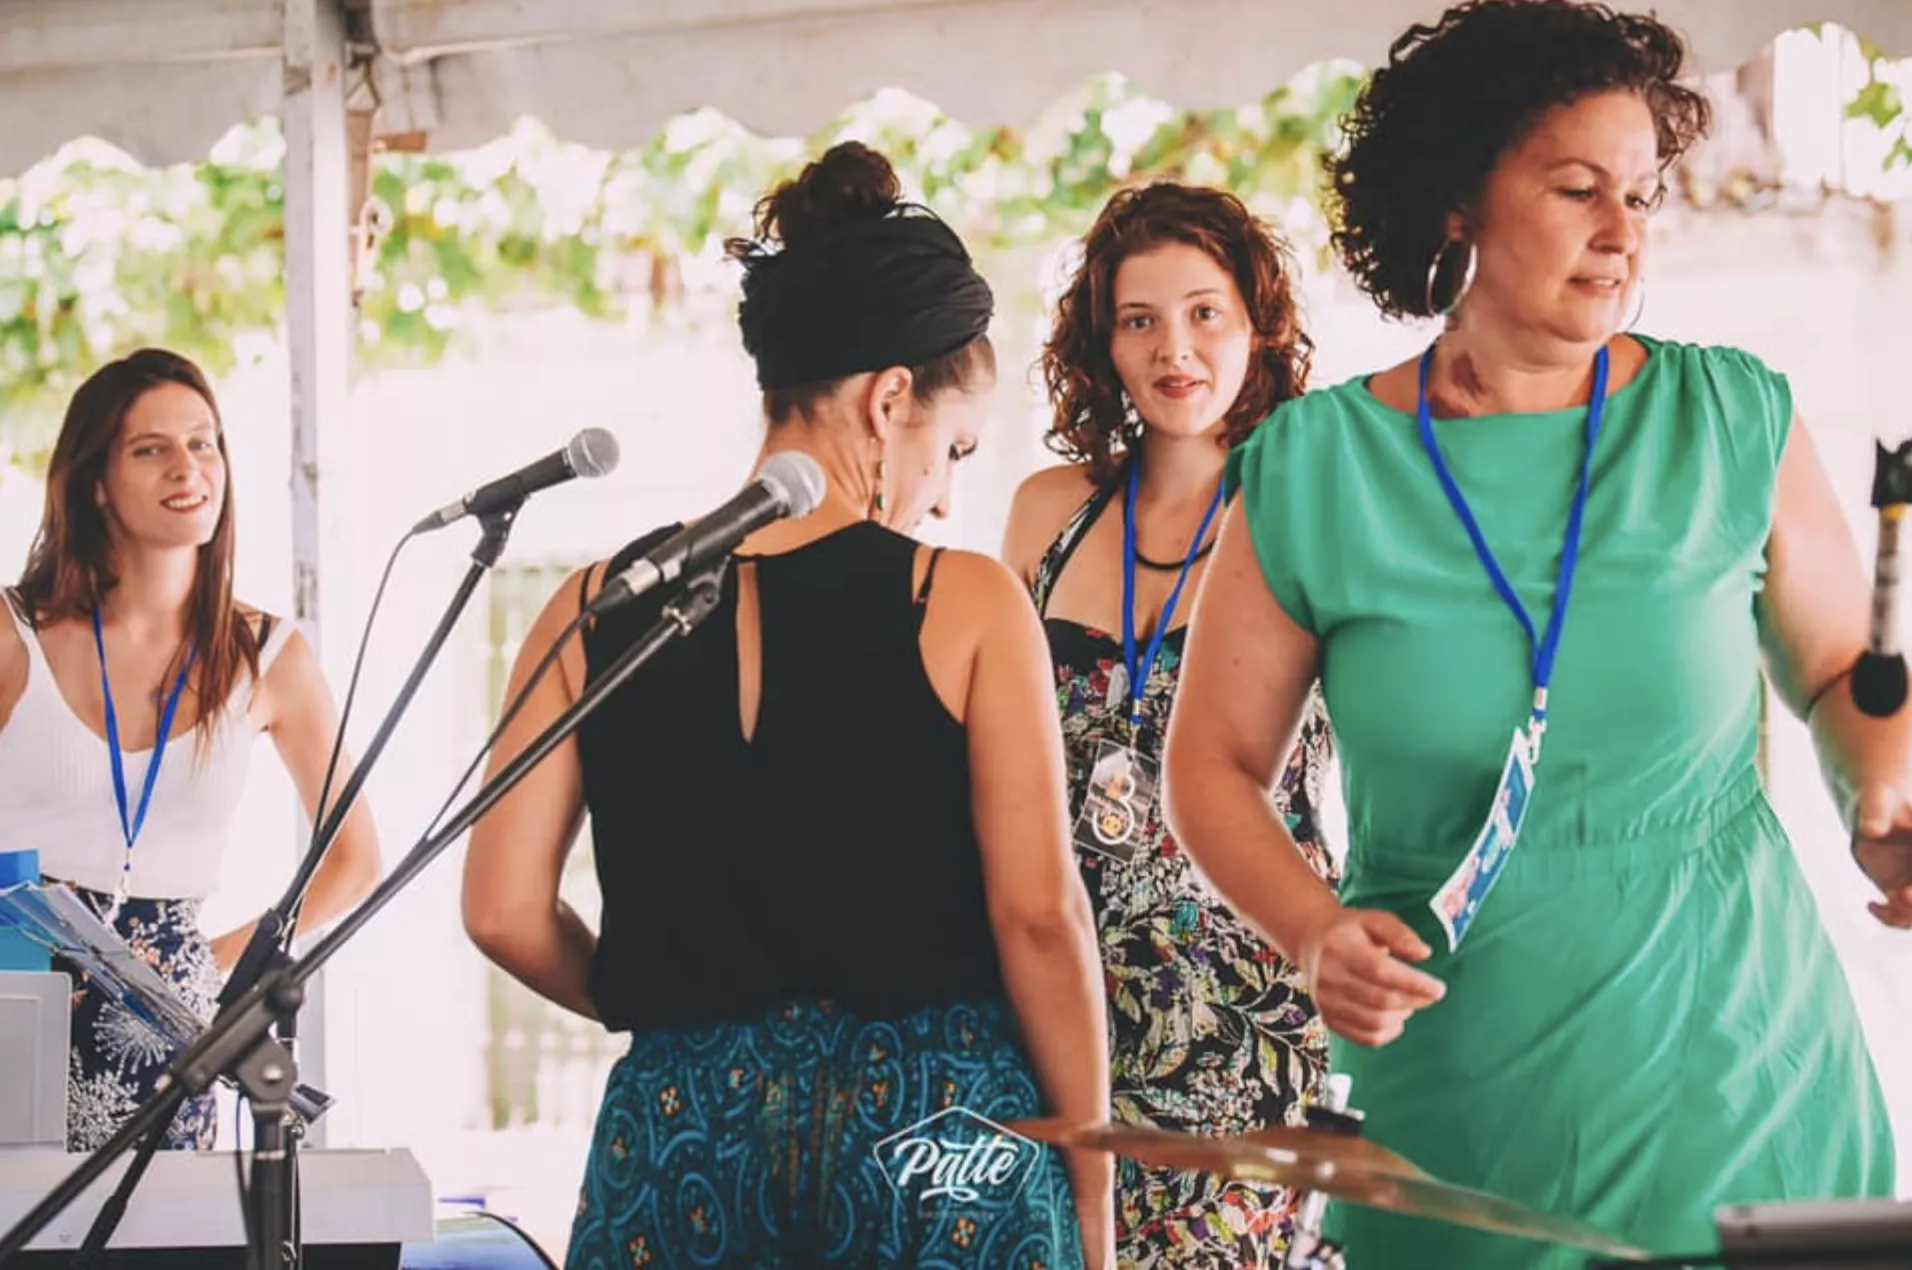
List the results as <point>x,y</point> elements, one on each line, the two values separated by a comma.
<point>1586,975</point>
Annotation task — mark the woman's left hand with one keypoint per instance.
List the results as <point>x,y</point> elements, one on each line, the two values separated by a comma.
<point>1882,844</point>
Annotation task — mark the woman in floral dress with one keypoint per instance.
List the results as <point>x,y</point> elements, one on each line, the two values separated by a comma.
<point>1176,336</point>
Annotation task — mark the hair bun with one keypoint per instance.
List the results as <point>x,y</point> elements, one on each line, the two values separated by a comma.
<point>849,182</point>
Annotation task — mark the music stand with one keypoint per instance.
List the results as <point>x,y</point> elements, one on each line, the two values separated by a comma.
<point>51,915</point>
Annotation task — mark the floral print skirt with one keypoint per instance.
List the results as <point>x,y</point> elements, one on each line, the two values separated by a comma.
<point>116,1061</point>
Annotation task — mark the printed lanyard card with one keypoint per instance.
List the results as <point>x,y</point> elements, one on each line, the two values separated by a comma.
<point>1458,901</point>
<point>1120,804</point>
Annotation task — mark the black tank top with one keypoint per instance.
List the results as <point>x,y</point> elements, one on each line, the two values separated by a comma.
<point>832,856</point>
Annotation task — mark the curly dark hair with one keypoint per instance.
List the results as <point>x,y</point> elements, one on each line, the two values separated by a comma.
<point>1429,126</point>
<point>1091,422</point>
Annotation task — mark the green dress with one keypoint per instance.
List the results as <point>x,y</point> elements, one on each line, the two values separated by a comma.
<point>1646,1020</point>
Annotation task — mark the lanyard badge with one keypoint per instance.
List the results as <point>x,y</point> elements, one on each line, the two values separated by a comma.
<point>1119,805</point>
<point>131,823</point>
<point>1459,898</point>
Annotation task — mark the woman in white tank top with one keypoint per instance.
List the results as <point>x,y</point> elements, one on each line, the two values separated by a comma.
<point>132,687</point>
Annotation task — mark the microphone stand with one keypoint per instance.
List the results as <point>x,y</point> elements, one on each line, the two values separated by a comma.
<point>1879,676</point>
<point>280,1120</point>
<point>239,1042</point>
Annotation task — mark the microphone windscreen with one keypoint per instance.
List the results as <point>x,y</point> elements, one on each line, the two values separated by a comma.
<point>592,452</point>
<point>796,478</point>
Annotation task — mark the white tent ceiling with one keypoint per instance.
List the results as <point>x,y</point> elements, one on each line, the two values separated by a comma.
<point>163,79</point>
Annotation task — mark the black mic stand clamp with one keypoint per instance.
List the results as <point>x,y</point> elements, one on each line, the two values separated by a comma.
<point>268,1074</point>
<point>1308,1248</point>
<point>1891,475</point>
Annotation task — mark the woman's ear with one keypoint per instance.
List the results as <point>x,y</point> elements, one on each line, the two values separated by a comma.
<point>886,403</point>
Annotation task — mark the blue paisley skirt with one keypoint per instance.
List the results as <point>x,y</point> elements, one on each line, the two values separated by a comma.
<point>814,1138</point>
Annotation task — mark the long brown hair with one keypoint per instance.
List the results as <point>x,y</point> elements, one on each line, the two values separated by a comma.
<point>69,569</point>
<point>1091,422</point>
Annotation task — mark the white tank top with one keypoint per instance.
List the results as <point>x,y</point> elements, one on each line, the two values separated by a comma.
<point>56,788</point>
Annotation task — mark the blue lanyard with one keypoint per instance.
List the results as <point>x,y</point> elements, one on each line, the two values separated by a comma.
<point>130,827</point>
<point>1139,671</point>
<point>1544,648</point>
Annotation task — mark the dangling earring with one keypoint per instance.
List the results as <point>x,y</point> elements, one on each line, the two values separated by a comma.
<point>1434,273</point>
<point>879,493</point>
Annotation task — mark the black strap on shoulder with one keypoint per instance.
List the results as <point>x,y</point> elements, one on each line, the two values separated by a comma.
<point>929,576</point>
<point>1064,547</point>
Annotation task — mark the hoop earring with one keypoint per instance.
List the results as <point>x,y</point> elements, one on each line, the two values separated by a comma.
<point>1639,308</point>
<point>1434,273</point>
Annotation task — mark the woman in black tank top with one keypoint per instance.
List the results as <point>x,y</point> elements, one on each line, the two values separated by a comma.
<point>840,917</point>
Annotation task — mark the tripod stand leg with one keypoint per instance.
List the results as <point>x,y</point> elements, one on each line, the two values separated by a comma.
<point>113,1211</point>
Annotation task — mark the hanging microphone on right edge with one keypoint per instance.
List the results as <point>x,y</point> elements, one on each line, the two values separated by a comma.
<point>1879,677</point>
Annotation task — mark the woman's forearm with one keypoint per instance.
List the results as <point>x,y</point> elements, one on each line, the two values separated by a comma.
<point>550,955</point>
<point>1221,816</point>
<point>350,871</point>
<point>1856,749</point>
<point>1053,973</point>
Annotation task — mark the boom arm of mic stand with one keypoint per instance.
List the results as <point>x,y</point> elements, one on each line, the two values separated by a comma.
<point>238,1034</point>
<point>276,927</point>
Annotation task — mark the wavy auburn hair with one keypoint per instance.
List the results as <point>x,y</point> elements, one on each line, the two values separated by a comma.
<point>1092,422</point>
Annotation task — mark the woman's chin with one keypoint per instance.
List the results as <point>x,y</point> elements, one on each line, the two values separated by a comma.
<point>1186,427</point>
<point>182,537</point>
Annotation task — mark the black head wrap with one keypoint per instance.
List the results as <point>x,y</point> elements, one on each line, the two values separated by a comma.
<point>878,291</point>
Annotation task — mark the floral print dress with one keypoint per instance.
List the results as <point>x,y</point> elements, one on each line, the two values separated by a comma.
<point>1211,1031</point>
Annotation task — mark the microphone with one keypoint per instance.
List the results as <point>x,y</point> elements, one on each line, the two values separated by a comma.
<point>592,452</point>
<point>1879,677</point>
<point>790,485</point>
